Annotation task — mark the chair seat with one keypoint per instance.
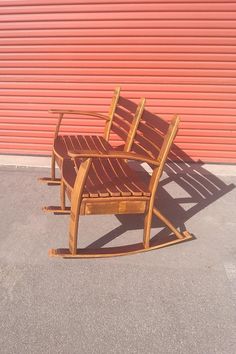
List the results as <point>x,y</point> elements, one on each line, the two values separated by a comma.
<point>106,178</point>
<point>63,143</point>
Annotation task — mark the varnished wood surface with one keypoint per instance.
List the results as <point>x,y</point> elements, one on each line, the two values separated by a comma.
<point>127,130</point>
<point>59,151</point>
<point>113,154</point>
<point>77,112</point>
<point>76,199</point>
<point>134,125</point>
<point>111,113</point>
<point>48,180</point>
<point>115,251</point>
<point>98,180</point>
<point>56,210</point>
<point>65,143</point>
<point>106,178</point>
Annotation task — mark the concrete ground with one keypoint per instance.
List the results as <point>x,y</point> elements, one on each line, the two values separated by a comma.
<point>179,299</point>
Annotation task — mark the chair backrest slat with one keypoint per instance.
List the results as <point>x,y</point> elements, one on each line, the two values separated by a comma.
<point>111,112</point>
<point>149,146</point>
<point>164,151</point>
<point>134,125</point>
<point>124,118</point>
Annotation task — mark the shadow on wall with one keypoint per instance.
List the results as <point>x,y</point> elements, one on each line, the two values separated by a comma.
<point>186,187</point>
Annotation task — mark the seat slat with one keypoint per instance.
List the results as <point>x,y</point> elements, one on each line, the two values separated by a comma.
<point>136,187</point>
<point>96,175</point>
<point>69,175</point>
<point>99,180</point>
<point>94,186</point>
<point>107,174</point>
<point>125,179</point>
<point>63,143</point>
<point>136,184</point>
<point>101,144</point>
<point>111,180</point>
<point>106,178</point>
<point>117,178</point>
<point>92,144</point>
<point>75,142</point>
<point>84,142</point>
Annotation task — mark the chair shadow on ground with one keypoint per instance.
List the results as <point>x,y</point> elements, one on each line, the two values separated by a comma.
<point>196,187</point>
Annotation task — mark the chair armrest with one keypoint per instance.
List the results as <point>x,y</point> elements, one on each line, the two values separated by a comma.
<point>86,113</point>
<point>112,155</point>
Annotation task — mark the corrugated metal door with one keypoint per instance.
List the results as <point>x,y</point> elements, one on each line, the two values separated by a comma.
<point>180,55</point>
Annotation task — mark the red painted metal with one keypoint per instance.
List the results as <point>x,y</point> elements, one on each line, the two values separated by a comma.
<point>180,55</point>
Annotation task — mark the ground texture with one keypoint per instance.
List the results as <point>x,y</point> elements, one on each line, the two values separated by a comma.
<point>179,299</point>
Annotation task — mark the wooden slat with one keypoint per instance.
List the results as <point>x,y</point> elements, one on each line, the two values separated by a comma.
<point>119,131</point>
<point>64,143</point>
<point>122,123</point>
<point>111,178</point>
<point>110,164</point>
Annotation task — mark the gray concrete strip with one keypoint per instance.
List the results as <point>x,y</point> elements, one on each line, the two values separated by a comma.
<point>45,161</point>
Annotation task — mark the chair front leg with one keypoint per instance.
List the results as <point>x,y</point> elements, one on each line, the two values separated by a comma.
<point>147,228</point>
<point>63,196</point>
<point>73,232</point>
<point>53,166</point>
<point>76,198</point>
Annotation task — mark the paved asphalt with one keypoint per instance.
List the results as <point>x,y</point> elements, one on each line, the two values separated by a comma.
<point>179,299</point>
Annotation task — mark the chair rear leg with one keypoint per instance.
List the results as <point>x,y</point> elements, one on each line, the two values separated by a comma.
<point>54,180</point>
<point>62,209</point>
<point>51,180</point>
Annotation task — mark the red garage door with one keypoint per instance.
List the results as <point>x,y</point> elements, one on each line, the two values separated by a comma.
<point>180,55</point>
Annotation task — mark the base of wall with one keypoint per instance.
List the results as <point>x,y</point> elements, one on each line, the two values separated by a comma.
<point>44,161</point>
<point>25,161</point>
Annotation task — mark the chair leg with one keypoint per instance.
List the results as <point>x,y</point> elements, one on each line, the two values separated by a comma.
<point>170,225</point>
<point>51,180</point>
<point>53,166</point>
<point>63,196</point>
<point>62,209</point>
<point>147,228</point>
<point>73,232</point>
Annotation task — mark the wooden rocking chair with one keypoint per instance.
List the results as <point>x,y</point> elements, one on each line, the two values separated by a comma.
<point>103,183</point>
<point>126,129</point>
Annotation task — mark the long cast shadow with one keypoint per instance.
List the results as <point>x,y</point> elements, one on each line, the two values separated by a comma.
<point>199,187</point>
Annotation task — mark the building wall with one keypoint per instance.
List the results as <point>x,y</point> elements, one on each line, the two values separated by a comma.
<point>180,55</point>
